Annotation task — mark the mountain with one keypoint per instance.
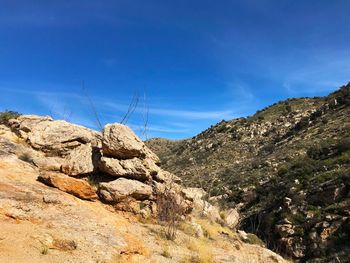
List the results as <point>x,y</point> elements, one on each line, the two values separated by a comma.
<point>286,168</point>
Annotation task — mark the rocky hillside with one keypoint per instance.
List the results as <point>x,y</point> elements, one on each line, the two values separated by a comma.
<point>286,168</point>
<point>70,194</point>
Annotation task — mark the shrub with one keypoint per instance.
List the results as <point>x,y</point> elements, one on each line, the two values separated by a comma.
<point>170,209</point>
<point>253,239</point>
<point>44,250</point>
<point>212,230</point>
<point>304,122</point>
<point>26,157</point>
<point>343,145</point>
<point>328,149</point>
<point>267,149</point>
<point>6,115</point>
<point>201,247</point>
<point>288,108</point>
<point>165,252</point>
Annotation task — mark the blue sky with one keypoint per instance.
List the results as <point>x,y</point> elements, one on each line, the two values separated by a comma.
<point>193,63</point>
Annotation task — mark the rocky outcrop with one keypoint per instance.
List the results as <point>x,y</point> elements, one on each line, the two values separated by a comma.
<point>53,137</point>
<point>43,224</point>
<point>120,189</point>
<point>78,161</point>
<point>77,187</point>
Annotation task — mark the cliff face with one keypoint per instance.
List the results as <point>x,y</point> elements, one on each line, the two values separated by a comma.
<point>70,194</point>
<point>286,168</point>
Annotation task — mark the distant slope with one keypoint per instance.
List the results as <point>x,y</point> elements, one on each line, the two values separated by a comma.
<point>287,167</point>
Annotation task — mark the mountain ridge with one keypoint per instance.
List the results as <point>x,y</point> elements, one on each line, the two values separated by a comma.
<point>272,166</point>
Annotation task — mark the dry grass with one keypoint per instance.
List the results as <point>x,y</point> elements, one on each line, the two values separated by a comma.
<point>223,214</point>
<point>213,230</point>
<point>165,251</point>
<point>18,140</point>
<point>201,247</point>
<point>146,220</point>
<point>64,245</point>
<point>187,228</point>
<point>44,250</point>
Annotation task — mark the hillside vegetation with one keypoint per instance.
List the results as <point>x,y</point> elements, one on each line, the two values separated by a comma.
<point>287,168</point>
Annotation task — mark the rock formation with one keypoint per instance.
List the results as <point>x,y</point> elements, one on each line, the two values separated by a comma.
<point>66,193</point>
<point>120,165</point>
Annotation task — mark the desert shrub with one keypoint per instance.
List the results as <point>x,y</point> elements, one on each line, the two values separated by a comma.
<point>302,168</point>
<point>26,157</point>
<point>65,245</point>
<point>324,121</point>
<point>304,122</point>
<point>267,149</point>
<point>166,253</point>
<point>343,145</point>
<point>253,239</point>
<point>212,230</point>
<point>93,179</point>
<point>318,152</point>
<point>170,209</point>
<point>222,128</point>
<point>288,108</point>
<point>256,163</point>
<point>7,115</point>
<point>328,149</point>
<point>202,250</point>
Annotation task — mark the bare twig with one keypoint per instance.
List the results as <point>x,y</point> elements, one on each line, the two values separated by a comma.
<point>170,208</point>
<point>132,106</point>
<point>145,117</point>
<point>91,104</point>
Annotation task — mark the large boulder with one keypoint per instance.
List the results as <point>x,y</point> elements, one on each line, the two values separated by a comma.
<point>81,160</point>
<point>193,193</point>
<point>130,168</point>
<point>166,177</point>
<point>122,188</point>
<point>77,187</point>
<point>200,205</point>
<point>232,218</point>
<point>57,138</point>
<point>48,163</point>
<point>120,142</point>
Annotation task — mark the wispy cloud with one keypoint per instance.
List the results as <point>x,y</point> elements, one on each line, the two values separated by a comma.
<point>195,115</point>
<point>162,120</point>
<point>185,114</point>
<point>323,73</point>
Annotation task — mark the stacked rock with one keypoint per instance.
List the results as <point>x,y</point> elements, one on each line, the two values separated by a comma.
<point>115,166</point>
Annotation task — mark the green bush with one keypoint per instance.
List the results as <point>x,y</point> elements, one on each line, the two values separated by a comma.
<point>267,149</point>
<point>254,240</point>
<point>328,149</point>
<point>288,108</point>
<point>6,115</point>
